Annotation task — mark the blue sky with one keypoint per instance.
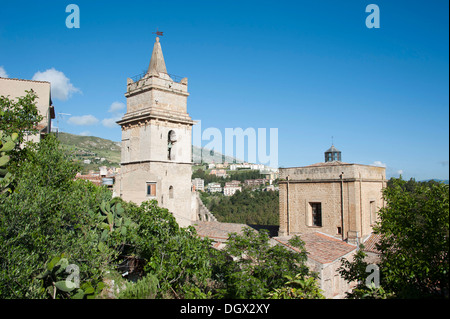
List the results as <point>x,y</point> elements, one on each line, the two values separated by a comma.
<point>312,69</point>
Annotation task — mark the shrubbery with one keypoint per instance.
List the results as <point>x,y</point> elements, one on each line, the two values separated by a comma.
<point>66,238</point>
<point>50,221</point>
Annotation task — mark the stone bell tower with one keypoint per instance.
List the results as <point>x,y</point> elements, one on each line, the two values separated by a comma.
<point>156,141</point>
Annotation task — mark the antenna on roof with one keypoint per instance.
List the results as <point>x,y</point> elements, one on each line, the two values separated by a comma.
<point>60,116</point>
<point>332,140</point>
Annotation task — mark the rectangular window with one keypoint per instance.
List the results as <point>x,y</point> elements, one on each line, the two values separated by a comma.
<point>151,189</point>
<point>316,210</point>
<point>373,212</point>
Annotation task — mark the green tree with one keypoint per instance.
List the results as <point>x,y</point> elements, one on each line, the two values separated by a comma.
<point>415,239</point>
<point>19,116</point>
<point>298,287</point>
<point>259,268</point>
<point>248,207</point>
<point>179,260</point>
<point>46,216</point>
<point>414,244</point>
<point>7,144</point>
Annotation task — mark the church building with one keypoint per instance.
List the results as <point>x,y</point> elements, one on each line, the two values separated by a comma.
<point>156,141</point>
<point>336,198</point>
<point>332,206</point>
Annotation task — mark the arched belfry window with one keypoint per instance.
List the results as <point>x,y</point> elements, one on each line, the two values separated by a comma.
<point>171,140</point>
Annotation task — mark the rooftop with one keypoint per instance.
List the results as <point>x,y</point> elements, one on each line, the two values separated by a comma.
<point>332,163</point>
<point>216,230</point>
<point>332,149</point>
<point>23,80</point>
<point>320,247</point>
<point>371,242</point>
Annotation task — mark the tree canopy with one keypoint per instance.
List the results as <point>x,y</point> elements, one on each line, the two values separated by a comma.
<point>246,207</point>
<point>67,238</point>
<point>414,244</point>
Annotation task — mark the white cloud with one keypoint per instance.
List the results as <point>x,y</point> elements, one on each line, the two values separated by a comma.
<point>111,122</point>
<point>116,107</point>
<point>83,120</point>
<point>62,89</point>
<point>379,163</point>
<point>399,172</point>
<point>85,133</point>
<point>3,73</point>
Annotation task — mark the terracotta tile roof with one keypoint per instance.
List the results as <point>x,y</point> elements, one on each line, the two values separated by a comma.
<point>320,247</point>
<point>97,180</point>
<point>40,127</point>
<point>370,243</point>
<point>333,163</point>
<point>216,230</point>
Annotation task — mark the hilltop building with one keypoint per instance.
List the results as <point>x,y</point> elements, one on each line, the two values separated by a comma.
<point>231,188</point>
<point>156,141</point>
<point>198,184</point>
<point>214,188</point>
<point>15,88</point>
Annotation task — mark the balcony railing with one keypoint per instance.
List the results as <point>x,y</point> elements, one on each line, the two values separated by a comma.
<point>175,78</point>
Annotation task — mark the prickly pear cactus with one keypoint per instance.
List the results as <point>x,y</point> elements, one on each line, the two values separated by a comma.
<point>7,144</point>
<point>113,219</point>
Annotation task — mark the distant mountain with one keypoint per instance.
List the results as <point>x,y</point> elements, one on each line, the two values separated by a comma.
<point>205,155</point>
<point>445,181</point>
<point>95,148</point>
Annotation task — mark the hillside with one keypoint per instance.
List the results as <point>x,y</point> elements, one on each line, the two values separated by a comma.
<point>204,155</point>
<point>98,151</point>
<point>95,148</point>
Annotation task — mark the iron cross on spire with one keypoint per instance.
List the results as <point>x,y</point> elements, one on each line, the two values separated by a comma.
<point>158,32</point>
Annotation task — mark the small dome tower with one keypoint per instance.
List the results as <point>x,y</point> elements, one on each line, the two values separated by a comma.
<point>332,154</point>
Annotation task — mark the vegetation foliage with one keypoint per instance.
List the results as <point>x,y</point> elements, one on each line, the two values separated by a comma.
<point>238,175</point>
<point>54,228</point>
<point>246,207</point>
<point>63,238</point>
<point>414,245</point>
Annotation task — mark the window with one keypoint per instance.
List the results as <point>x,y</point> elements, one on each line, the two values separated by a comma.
<point>171,192</point>
<point>171,140</point>
<point>316,210</point>
<point>373,212</point>
<point>151,189</point>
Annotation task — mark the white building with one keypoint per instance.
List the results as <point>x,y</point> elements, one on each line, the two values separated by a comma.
<point>198,184</point>
<point>231,188</point>
<point>214,188</point>
<point>259,167</point>
<point>15,88</point>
